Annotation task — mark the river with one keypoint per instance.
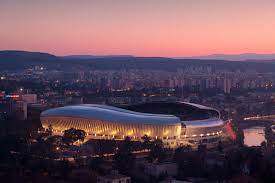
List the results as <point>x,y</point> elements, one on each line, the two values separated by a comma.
<point>254,136</point>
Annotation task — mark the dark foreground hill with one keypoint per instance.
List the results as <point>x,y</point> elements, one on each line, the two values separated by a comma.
<point>21,59</point>
<point>25,56</point>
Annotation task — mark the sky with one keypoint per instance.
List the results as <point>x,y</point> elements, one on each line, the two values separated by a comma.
<point>171,28</point>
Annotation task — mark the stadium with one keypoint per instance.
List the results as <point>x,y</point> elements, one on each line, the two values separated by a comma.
<point>176,124</point>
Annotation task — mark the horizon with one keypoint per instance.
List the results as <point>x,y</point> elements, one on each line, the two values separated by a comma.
<point>91,54</point>
<point>170,29</point>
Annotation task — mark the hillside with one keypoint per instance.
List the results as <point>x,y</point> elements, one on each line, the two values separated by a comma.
<point>10,60</point>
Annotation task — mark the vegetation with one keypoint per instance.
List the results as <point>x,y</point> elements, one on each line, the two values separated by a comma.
<point>157,151</point>
<point>72,135</point>
<point>124,158</point>
<point>27,152</point>
<point>146,144</point>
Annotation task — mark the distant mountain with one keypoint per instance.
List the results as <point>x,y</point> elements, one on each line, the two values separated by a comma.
<point>16,60</point>
<point>14,55</point>
<point>13,59</point>
<point>95,56</point>
<point>237,57</point>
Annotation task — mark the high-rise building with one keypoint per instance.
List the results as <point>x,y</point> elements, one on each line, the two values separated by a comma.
<point>21,110</point>
<point>29,98</point>
<point>227,84</point>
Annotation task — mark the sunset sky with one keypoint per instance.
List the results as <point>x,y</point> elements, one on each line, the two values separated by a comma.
<point>138,27</point>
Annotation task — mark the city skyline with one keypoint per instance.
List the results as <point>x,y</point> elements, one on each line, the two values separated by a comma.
<point>144,91</point>
<point>140,28</point>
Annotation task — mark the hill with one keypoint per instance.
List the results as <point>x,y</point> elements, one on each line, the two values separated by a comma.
<point>10,60</point>
<point>238,57</point>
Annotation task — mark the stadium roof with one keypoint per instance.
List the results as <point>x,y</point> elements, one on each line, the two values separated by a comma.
<point>213,122</point>
<point>112,114</point>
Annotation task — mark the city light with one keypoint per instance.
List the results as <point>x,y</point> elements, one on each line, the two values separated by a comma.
<point>146,91</point>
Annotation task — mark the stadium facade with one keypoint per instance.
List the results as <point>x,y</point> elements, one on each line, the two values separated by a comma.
<point>176,124</point>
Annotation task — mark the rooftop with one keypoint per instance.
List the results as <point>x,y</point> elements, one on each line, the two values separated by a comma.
<point>109,113</point>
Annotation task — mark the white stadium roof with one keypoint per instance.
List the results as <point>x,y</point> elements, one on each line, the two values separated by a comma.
<point>112,114</point>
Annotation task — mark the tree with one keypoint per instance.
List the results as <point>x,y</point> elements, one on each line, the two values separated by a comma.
<point>12,143</point>
<point>189,160</point>
<point>146,144</point>
<point>94,163</point>
<point>157,152</point>
<point>264,145</point>
<point>72,135</point>
<point>55,142</point>
<point>249,157</point>
<point>181,151</point>
<point>124,158</point>
<point>49,130</point>
<point>220,147</point>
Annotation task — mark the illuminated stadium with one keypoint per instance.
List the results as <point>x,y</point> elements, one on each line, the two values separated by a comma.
<point>176,124</point>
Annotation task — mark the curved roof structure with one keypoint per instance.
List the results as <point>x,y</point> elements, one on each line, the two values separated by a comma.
<point>180,122</point>
<point>213,122</point>
<point>184,110</point>
<point>108,113</point>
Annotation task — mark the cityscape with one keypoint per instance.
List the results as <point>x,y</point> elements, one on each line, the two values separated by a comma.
<point>94,107</point>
